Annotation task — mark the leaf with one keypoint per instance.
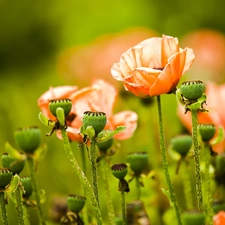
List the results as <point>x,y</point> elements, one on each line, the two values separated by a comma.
<point>40,153</point>
<point>107,134</point>
<point>219,137</point>
<point>14,152</point>
<point>44,119</point>
<point>42,196</point>
<point>167,193</point>
<point>13,184</point>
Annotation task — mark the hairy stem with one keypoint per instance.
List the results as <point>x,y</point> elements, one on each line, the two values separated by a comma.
<point>19,205</point>
<point>3,209</point>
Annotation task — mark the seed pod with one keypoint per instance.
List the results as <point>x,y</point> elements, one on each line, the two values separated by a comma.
<point>65,104</point>
<point>26,182</point>
<point>75,203</point>
<point>119,170</point>
<point>5,177</point>
<point>193,218</point>
<point>207,131</point>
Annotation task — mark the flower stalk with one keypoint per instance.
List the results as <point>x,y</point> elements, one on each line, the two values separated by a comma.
<point>19,205</point>
<point>165,163</point>
<point>3,209</point>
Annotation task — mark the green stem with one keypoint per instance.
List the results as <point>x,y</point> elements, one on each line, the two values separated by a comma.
<point>187,187</point>
<point>3,209</point>
<point>19,205</point>
<point>36,191</point>
<point>165,163</point>
<point>138,187</point>
<point>208,205</point>
<point>105,175</point>
<point>198,176</point>
<point>26,214</point>
<point>82,177</point>
<point>94,174</point>
<point>123,207</point>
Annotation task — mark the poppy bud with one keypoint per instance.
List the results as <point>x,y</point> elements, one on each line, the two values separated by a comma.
<point>28,138</point>
<point>193,218</point>
<point>26,182</point>
<point>192,90</point>
<point>75,203</point>
<point>104,146</point>
<point>119,171</point>
<point>138,161</point>
<point>207,131</point>
<point>15,165</point>
<point>181,144</point>
<point>5,177</point>
<point>65,104</point>
<point>95,119</point>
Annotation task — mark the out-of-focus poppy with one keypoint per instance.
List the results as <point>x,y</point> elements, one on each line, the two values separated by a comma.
<point>209,49</point>
<point>216,106</point>
<point>81,64</point>
<point>101,96</point>
<point>219,218</point>
<point>153,67</point>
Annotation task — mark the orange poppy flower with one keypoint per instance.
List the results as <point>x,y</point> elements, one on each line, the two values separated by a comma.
<point>215,105</point>
<point>60,92</point>
<point>153,67</point>
<point>101,96</point>
<point>219,218</point>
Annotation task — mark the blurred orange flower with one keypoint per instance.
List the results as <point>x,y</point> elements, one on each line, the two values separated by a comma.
<point>101,96</point>
<point>153,67</point>
<point>219,218</point>
<point>216,106</point>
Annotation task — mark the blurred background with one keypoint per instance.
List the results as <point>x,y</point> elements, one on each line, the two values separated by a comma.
<point>54,43</point>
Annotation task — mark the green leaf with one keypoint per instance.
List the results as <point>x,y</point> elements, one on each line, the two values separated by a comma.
<point>44,119</point>
<point>107,134</point>
<point>13,184</point>
<point>219,137</point>
<point>40,153</point>
<point>179,97</point>
<point>167,193</point>
<point>14,152</point>
<point>42,196</point>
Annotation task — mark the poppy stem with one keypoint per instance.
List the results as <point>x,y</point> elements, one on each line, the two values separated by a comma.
<point>123,207</point>
<point>3,209</point>
<point>208,190</point>
<point>165,163</point>
<point>82,177</point>
<point>138,187</point>
<point>19,205</point>
<point>198,176</point>
<point>26,214</point>
<point>35,188</point>
<point>105,176</point>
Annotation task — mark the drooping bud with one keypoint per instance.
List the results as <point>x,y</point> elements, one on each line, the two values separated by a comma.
<point>95,119</point>
<point>192,90</point>
<point>65,104</point>
<point>28,138</point>
<point>75,203</point>
<point>207,131</point>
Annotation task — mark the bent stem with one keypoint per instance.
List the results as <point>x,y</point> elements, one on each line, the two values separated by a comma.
<point>165,163</point>
<point>105,175</point>
<point>3,209</point>
<point>19,205</point>
<point>123,207</point>
<point>82,177</point>
<point>198,176</point>
<point>36,191</point>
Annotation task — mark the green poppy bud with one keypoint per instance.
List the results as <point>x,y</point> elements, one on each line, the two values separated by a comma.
<point>26,182</point>
<point>65,104</point>
<point>193,218</point>
<point>95,119</point>
<point>5,177</point>
<point>75,203</point>
<point>119,170</point>
<point>104,146</point>
<point>15,165</point>
<point>181,144</point>
<point>207,131</point>
<point>138,162</point>
<point>192,90</point>
<point>28,138</point>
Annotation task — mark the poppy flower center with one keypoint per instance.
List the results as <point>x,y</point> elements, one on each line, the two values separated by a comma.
<point>158,68</point>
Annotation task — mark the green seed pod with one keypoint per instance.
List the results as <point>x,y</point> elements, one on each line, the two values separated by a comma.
<point>119,170</point>
<point>104,146</point>
<point>118,221</point>
<point>75,203</point>
<point>26,182</point>
<point>192,90</point>
<point>28,138</point>
<point>95,119</point>
<point>5,177</point>
<point>15,165</point>
<point>181,144</point>
<point>65,104</point>
<point>193,218</point>
<point>207,131</point>
<point>218,206</point>
<point>138,162</point>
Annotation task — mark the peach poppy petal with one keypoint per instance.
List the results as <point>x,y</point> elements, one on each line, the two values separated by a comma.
<point>190,57</point>
<point>127,119</point>
<point>219,218</point>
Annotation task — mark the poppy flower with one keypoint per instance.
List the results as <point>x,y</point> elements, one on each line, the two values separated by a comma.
<point>60,92</point>
<point>101,96</point>
<point>219,218</point>
<point>153,67</point>
<point>215,105</point>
